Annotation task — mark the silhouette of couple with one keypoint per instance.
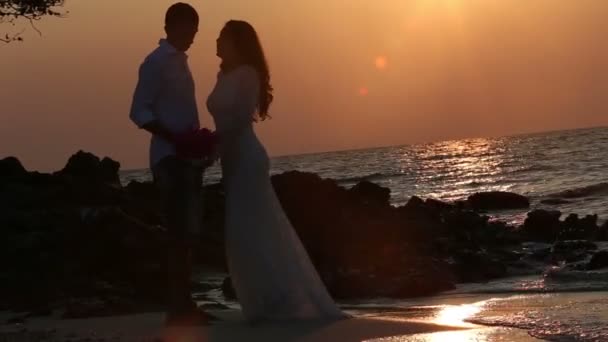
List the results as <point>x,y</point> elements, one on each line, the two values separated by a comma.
<point>271,272</point>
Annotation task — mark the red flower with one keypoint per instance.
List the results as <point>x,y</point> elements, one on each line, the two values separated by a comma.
<point>195,144</point>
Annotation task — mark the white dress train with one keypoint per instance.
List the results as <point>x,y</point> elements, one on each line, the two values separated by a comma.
<point>271,271</point>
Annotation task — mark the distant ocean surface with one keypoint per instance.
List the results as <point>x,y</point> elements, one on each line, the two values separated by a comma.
<point>569,166</point>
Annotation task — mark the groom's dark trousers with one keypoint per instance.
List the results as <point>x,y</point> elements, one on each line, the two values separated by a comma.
<point>180,185</point>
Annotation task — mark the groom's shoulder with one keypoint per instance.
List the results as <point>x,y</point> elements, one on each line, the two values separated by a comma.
<point>157,56</point>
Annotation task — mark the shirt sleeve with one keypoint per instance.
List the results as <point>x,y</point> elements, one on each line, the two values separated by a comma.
<point>146,92</point>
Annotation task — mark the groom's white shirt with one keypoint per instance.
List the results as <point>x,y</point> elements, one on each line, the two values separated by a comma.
<point>165,92</point>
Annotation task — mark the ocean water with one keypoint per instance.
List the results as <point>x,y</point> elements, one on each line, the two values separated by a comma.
<point>570,166</point>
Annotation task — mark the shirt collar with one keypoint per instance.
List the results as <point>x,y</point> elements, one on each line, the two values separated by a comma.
<point>167,47</point>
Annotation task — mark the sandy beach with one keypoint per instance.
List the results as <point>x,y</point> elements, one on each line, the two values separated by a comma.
<point>149,327</point>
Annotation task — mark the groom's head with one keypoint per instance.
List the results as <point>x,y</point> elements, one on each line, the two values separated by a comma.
<point>181,25</point>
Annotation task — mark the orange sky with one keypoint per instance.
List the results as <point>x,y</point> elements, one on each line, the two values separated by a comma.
<point>347,74</point>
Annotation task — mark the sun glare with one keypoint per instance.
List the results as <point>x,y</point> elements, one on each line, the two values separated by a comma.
<point>448,16</point>
<point>456,315</point>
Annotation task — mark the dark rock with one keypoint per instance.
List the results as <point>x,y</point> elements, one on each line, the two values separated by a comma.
<point>370,192</point>
<point>429,277</point>
<point>227,289</point>
<point>98,307</point>
<point>541,225</point>
<point>82,165</point>
<point>571,250</point>
<point>86,307</point>
<point>16,320</point>
<point>142,190</point>
<point>415,203</point>
<point>11,168</point>
<point>72,233</point>
<point>86,166</point>
<point>570,245</point>
<point>419,209</point>
<point>373,286</point>
<point>438,205</point>
<point>108,171</point>
<point>477,267</point>
<point>85,180</point>
<point>599,188</point>
<point>462,205</point>
<point>143,202</point>
<point>602,232</point>
<point>598,261</point>
<point>40,312</point>
<point>498,200</point>
<point>536,251</point>
<point>466,224</point>
<point>575,228</point>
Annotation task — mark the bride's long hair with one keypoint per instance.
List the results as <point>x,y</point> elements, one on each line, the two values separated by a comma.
<point>249,47</point>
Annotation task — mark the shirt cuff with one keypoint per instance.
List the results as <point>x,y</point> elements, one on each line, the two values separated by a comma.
<point>142,118</point>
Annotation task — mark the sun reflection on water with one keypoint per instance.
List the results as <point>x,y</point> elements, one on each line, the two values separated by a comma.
<point>456,315</point>
<point>456,167</point>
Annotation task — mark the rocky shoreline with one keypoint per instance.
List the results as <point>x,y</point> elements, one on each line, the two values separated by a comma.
<point>79,241</point>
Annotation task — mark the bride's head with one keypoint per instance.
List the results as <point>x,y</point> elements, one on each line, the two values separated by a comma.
<point>238,44</point>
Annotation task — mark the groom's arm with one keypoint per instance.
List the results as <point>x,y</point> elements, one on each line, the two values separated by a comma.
<point>155,128</point>
<point>146,93</point>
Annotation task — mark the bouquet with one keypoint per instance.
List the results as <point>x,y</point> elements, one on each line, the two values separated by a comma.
<point>198,144</point>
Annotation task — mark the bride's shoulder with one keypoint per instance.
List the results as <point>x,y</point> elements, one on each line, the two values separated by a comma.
<point>243,75</point>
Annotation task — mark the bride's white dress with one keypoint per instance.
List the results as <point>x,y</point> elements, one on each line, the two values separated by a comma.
<point>271,272</point>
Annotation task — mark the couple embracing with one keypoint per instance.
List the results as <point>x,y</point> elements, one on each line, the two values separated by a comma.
<point>272,274</point>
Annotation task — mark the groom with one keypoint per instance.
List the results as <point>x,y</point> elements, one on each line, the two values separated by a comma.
<point>164,104</point>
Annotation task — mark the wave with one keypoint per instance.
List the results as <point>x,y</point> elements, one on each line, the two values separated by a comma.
<point>371,177</point>
<point>575,287</point>
<point>585,191</point>
<point>532,168</point>
<point>567,318</point>
<point>554,279</point>
<point>550,330</point>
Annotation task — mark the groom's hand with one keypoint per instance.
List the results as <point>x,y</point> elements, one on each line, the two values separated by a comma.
<point>157,129</point>
<point>185,145</point>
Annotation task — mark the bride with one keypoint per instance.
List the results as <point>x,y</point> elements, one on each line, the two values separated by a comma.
<point>271,272</point>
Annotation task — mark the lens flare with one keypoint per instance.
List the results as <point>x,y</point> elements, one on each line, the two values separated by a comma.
<point>381,62</point>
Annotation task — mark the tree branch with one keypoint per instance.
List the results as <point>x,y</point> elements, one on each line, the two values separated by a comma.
<point>8,38</point>
<point>30,10</point>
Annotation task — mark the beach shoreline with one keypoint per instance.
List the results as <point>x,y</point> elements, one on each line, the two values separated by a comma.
<point>149,327</point>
